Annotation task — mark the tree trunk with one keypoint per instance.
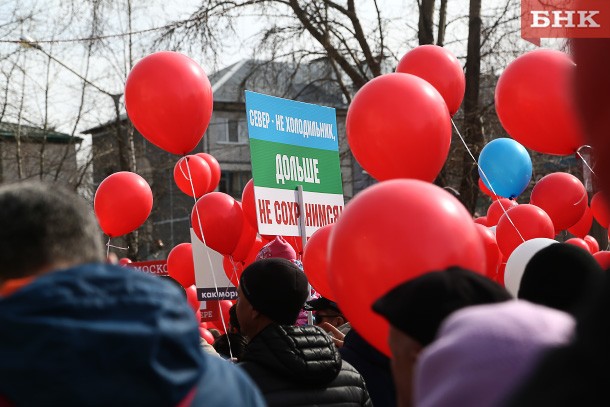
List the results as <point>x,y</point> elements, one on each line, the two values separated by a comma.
<point>442,23</point>
<point>472,122</point>
<point>425,32</point>
<point>441,180</point>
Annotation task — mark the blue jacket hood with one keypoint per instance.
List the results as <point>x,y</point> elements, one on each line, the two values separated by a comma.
<point>98,335</point>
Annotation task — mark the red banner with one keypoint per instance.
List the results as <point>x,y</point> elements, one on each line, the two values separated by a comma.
<point>210,311</point>
<point>565,19</point>
<point>157,267</point>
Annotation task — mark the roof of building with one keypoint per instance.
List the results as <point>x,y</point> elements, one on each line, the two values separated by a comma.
<point>312,82</point>
<point>31,133</point>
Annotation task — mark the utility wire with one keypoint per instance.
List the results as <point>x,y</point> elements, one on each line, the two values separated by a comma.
<point>101,37</point>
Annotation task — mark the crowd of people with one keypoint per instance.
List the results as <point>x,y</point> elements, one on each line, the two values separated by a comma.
<point>76,330</point>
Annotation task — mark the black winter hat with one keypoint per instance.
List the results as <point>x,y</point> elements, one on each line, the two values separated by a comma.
<point>322,303</point>
<point>561,276</point>
<point>419,306</point>
<point>276,288</point>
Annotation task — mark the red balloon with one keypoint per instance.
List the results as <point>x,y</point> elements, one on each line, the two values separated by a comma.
<point>398,126</point>
<point>603,258</point>
<point>192,168</point>
<point>122,203</point>
<point>599,207</point>
<point>124,261</point>
<point>168,98</point>
<point>248,204</point>
<point>495,211</point>
<point>214,170</point>
<point>315,261</point>
<point>391,232</point>
<point>486,191</point>
<point>535,105</point>
<point>254,250</point>
<point>530,222</point>
<point>583,226</point>
<point>578,242</point>
<point>232,269</point>
<point>562,196</point>
<point>207,335</point>
<point>221,219</point>
<point>222,323</point>
<point>439,67</point>
<point>180,264</point>
<point>492,252</point>
<point>481,220</point>
<point>592,243</point>
<point>191,298</point>
<point>500,276</point>
<point>246,240</point>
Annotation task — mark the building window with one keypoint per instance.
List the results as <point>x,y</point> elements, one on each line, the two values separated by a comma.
<point>233,132</point>
<point>233,182</point>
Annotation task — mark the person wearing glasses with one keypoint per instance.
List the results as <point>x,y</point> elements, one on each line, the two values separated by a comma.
<point>325,310</point>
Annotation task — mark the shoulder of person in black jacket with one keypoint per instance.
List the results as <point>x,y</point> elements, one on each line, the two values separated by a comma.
<point>575,374</point>
<point>374,367</point>
<point>300,366</point>
<point>293,366</point>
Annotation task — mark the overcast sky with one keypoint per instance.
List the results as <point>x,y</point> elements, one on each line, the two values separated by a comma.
<point>109,67</point>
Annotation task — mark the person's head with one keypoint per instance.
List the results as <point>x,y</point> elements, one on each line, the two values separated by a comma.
<point>215,333</point>
<point>561,276</point>
<point>482,352</point>
<point>230,345</point>
<point>233,321</point>
<point>277,248</point>
<point>415,310</point>
<point>325,310</point>
<point>44,227</point>
<point>270,291</point>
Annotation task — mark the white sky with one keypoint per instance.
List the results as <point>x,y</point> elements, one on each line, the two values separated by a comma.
<point>109,68</point>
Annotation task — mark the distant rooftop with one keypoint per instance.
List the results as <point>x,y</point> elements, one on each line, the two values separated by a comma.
<point>31,133</point>
<point>308,82</point>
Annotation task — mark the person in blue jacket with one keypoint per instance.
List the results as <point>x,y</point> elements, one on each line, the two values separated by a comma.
<point>75,331</point>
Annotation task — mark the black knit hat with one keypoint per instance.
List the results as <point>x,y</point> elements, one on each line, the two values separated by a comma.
<point>276,288</point>
<point>419,306</point>
<point>560,276</point>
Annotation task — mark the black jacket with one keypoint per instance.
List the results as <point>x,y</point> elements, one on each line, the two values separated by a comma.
<point>300,366</point>
<point>374,367</point>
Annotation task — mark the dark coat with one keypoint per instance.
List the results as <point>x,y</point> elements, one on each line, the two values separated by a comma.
<point>576,374</point>
<point>300,366</point>
<point>100,335</point>
<point>374,367</point>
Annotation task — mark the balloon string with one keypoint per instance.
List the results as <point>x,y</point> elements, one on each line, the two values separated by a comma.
<point>485,178</point>
<point>108,247</point>
<point>222,318</point>
<point>185,175</point>
<point>117,247</point>
<point>583,158</point>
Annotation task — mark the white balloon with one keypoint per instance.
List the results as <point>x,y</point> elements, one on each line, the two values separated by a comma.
<point>515,266</point>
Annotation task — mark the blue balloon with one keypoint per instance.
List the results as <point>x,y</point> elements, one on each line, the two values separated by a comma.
<point>507,167</point>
